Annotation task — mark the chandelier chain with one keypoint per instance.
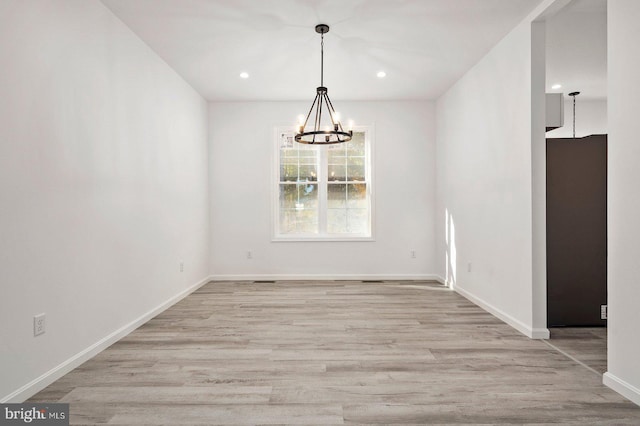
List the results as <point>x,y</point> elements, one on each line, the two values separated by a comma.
<point>573,95</point>
<point>322,59</point>
<point>574,117</point>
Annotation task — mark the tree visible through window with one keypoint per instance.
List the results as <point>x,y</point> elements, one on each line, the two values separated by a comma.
<point>323,192</point>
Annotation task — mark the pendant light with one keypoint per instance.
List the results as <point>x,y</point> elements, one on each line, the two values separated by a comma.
<point>330,130</point>
<point>574,94</point>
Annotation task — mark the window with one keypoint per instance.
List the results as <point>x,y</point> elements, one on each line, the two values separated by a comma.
<point>323,192</point>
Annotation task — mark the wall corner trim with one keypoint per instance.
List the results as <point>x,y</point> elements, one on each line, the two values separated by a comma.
<point>625,389</point>
<point>440,279</point>
<point>76,360</point>
<point>532,333</point>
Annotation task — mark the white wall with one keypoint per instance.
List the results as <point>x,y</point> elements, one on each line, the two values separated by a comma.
<point>103,185</point>
<point>241,146</point>
<point>577,49</point>
<point>623,372</point>
<point>591,119</point>
<point>485,212</point>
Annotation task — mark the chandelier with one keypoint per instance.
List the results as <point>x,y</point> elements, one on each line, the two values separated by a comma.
<point>330,130</point>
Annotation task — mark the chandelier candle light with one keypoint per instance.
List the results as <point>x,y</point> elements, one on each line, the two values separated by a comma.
<point>332,132</point>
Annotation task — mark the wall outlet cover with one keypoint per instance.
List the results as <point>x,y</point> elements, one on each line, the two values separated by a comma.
<point>39,324</point>
<point>604,312</point>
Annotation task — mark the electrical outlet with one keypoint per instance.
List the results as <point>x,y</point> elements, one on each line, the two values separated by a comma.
<point>604,312</point>
<point>469,267</point>
<point>413,254</point>
<point>181,266</point>
<point>39,324</point>
<point>249,254</point>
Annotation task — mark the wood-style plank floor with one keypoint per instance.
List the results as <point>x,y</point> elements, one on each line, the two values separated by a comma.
<point>324,352</point>
<point>586,344</point>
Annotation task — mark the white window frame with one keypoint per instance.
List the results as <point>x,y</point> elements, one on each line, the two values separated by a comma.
<point>322,191</point>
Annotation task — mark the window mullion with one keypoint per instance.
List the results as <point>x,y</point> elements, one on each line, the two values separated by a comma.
<point>346,186</point>
<point>322,190</point>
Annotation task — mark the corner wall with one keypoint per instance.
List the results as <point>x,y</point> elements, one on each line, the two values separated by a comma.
<point>242,149</point>
<point>103,186</point>
<point>490,243</point>
<point>623,371</point>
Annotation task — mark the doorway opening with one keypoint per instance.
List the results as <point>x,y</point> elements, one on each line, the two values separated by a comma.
<point>576,176</point>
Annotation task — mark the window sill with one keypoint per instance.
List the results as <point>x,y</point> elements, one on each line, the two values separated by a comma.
<point>315,238</point>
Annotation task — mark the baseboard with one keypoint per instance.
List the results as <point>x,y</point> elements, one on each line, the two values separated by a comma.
<point>330,277</point>
<point>60,370</point>
<point>625,389</point>
<point>532,333</point>
<point>540,333</point>
<point>440,279</point>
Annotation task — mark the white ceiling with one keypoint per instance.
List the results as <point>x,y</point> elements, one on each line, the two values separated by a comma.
<point>424,46</point>
<point>577,49</point>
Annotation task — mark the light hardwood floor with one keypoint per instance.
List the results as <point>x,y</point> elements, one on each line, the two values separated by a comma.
<point>327,352</point>
<point>586,344</point>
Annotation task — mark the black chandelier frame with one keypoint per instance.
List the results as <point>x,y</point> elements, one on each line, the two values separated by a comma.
<point>317,136</point>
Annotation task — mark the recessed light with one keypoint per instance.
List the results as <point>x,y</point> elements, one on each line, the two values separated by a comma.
<point>556,86</point>
<point>244,75</point>
<point>381,74</point>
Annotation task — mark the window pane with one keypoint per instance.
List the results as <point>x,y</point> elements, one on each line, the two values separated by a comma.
<point>356,146</point>
<point>286,140</point>
<point>357,196</point>
<point>358,221</point>
<point>298,208</point>
<point>288,159</point>
<point>298,222</point>
<point>288,153</point>
<point>307,152</point>
<point>337,221</point>
<point>355,172</point>
<point>336,196</point>
<point>355,158</point>
<point>308,173</point>
<point>299,196</point>
<point>298,164</point>
<point>288,172</point>
<point>337,173</point>
<point>336,154</point>
<point>356,161</point>
<point>348,209</point>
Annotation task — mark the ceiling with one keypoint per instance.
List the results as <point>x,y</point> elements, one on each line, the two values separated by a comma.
<point>577,49</point>
<point>424,46</point>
